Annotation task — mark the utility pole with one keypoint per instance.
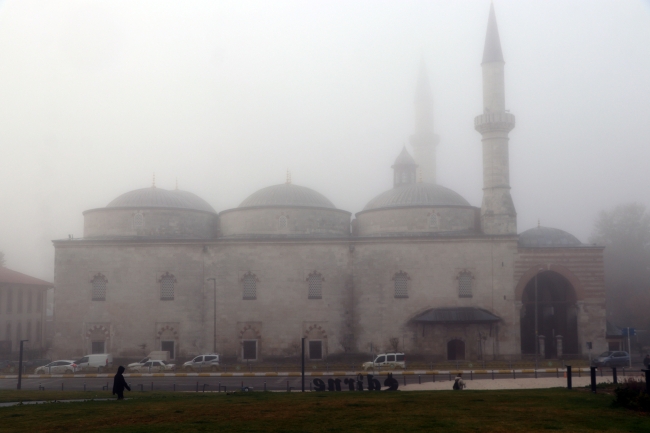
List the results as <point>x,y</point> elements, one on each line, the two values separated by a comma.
<point>536,326</point>
<point>302,365</point>
<point>214,331</point>
<point>20,364</point>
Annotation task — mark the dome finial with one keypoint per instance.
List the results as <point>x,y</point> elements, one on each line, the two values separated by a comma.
<point>153,183</point>
<point>288,177</point>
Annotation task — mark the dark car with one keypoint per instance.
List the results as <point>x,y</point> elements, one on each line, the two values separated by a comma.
<point>612,359</point>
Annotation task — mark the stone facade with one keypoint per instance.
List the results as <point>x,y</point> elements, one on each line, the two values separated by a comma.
<point>419,270</point>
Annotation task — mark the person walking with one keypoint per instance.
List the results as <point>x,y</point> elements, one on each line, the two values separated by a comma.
<point>646,362</point>
<point>459,383</point>
<point>119,384</point>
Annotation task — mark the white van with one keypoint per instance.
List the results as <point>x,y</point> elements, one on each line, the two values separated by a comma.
<point>386,360</point>
<point>99,362</point>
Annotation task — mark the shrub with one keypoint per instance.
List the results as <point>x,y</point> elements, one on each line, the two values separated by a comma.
<point>632,395</point>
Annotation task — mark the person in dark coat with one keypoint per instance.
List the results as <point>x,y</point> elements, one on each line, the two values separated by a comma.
<point>119,384</point>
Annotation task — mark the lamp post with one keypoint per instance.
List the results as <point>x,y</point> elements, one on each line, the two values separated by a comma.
<point>20,364</point>
<point>536,324</point>
<point>214,341</point>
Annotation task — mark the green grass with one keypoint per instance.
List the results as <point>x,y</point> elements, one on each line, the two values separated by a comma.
<point>448,411</point>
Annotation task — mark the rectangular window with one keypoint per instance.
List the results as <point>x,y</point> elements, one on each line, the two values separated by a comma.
<point>168,346</point>
<point>97,347</point>
<point>400,358</point>
<point>250,287</point>
<point>19,332</point>
<point>315,286</point>
<point>315,350</point>
<point>465,285</point>
<point>250,349</point>
<point>390,358</point>
<point>167,288</point>
<point>99,288</point>
<point>401,285</point>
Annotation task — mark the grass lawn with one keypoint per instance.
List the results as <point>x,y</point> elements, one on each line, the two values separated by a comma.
<point>448,411</point>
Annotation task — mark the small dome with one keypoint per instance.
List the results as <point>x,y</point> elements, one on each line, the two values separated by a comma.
<point>417,194</point>
<point>546,237</point>
<point>287,195</point>
<point>160,198</point>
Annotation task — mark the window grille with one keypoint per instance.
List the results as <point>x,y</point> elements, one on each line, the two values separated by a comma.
<point>282,222</point>
<point>401,285</point>
<point>315,281</point>
<point>316,350</point>
<point>138,221</point>
<point>249,349</point>
<point>465,285</point>
<point>99,287</point>
<point>250,286</point>
<point>167,282</point>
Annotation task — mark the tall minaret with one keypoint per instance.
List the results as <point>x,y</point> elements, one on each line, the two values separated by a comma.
<point>498,215</point>
<point>424,141</point>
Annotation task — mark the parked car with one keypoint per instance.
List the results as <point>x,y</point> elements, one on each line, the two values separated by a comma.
<point>387,361</point>
<point>203,362</point>
<point>154,366</point>
<point>98,362</point>
<point>612,359</point>
<point>133,365</point>
<point>58,367</point>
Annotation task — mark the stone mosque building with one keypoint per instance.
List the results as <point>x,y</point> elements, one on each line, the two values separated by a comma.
<point>418,270</point>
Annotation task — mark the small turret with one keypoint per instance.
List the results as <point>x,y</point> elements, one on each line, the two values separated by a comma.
<point>404,169</point>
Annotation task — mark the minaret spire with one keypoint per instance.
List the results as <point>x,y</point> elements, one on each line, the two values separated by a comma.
<point>424,141</point>
<point>498,215</point>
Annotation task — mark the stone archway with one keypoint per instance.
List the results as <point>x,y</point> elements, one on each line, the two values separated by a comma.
<point>556,315</point>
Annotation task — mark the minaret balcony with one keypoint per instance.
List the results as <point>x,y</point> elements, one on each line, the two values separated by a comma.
<point>490,122</point>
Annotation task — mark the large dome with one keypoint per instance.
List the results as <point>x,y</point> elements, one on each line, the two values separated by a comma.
<point>546,237</point>
<point>287,194</point>
<point>416,194</point>
<point>160,198</point>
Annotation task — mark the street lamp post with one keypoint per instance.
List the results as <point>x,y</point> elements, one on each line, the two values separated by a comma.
<point>214,341</point>
<point>20,364</point>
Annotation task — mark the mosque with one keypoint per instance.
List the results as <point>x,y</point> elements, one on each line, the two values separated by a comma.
<point>418,270</point>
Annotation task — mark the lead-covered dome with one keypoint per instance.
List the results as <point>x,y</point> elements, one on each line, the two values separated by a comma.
<point>154,197</point>
<point>547,237</point>
<point>416,194</point>
<point>287,195</point>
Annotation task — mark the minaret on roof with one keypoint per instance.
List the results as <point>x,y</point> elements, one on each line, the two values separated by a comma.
<point>424,141</point>
<point>498,215</point>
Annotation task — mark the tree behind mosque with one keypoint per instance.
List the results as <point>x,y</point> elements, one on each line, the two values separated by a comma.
<point>625,233</point>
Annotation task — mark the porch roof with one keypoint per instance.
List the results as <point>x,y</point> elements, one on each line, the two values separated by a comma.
<point>460,315</point>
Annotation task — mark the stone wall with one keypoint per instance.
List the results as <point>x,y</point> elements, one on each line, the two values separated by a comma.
<point>168,223</point>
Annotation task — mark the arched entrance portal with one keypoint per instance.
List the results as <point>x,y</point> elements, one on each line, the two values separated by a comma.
<point>455,350</point>
<point>556,315</point>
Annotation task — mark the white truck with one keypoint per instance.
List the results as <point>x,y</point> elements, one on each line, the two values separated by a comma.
<point>99,362</point>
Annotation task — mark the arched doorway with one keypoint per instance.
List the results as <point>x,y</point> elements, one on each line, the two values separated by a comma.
<point>556,314</point>
<point>456,350</point>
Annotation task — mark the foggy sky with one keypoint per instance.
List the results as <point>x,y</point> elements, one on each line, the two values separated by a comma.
<point>95,97</point>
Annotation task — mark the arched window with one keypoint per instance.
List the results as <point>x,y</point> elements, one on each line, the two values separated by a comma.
<point>138,220</point>
<point>315,281</point>
<point>167,282</point>
<point>401,284</point>
<point>433,220</point>
<point>249,283</point>
<point>465,284</point>
<point>283,222</point>
<point>99,283</point>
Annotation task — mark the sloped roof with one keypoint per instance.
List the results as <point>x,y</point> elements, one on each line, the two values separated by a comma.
<point>7,276</point>
<point>456,315</point>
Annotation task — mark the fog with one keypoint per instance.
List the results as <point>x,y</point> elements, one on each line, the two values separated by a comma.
<point>224,97</point>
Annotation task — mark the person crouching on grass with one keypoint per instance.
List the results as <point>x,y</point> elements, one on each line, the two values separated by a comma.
<point>459,383</point>
<point>119,384</point>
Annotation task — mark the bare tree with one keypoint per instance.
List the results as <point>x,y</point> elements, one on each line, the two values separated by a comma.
<point>625,233</point>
